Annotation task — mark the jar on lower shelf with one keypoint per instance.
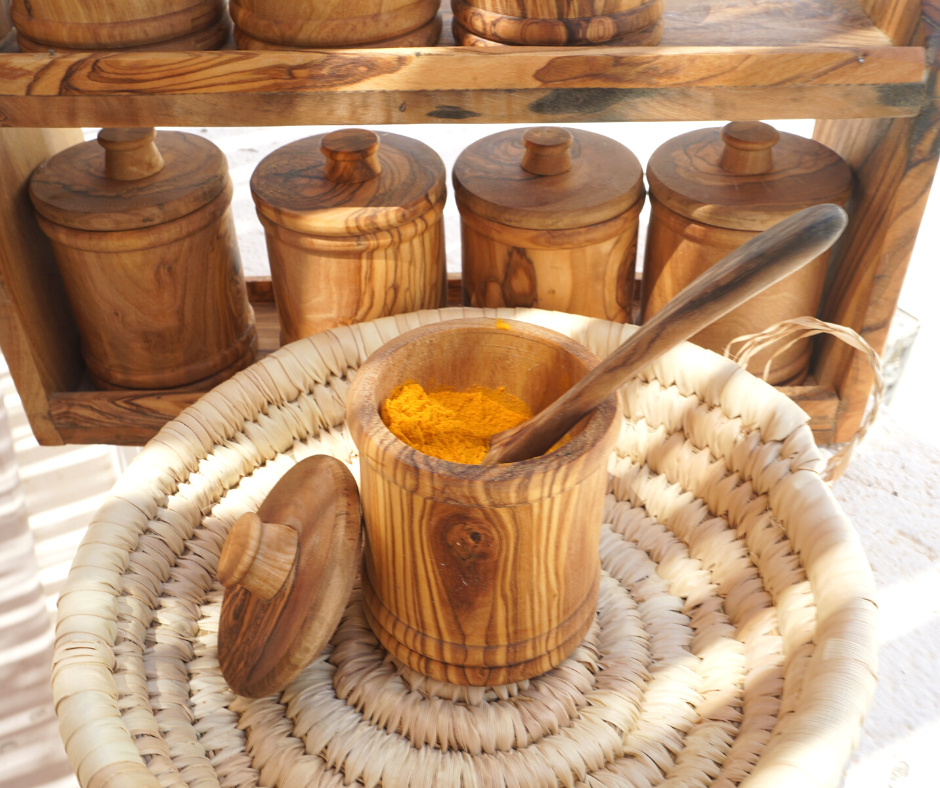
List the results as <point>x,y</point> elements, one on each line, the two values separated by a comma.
<point>141,226</point>
<point>353,226</point>
<point>713,190</point>
<point>549,219</point>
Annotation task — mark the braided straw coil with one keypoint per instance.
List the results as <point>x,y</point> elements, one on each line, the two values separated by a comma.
<point>734,640</point>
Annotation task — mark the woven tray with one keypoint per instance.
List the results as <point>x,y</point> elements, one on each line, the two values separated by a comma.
<point>734,641</point>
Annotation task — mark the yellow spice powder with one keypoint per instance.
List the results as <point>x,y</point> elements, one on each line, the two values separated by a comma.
<point>452,425</point>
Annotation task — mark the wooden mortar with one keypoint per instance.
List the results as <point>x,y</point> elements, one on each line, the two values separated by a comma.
<point>142,230</point>
<point>331,23</point>
<point>353,227</point>
<point>714,189</point>
<point>67,25</point>
<point>549,219</point>
<point>480,575</point>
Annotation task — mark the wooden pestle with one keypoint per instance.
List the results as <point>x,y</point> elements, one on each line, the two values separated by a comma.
<point>753,267</point>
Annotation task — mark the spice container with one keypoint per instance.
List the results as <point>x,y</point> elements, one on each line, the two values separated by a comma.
<point>714,189</point>
<point>538,23</point>
<point>160,25</point>
<point>310,24</point>
<point>142,230</point>
<point>480,575</point>
<point>353,227</point>
<point>549,219</point>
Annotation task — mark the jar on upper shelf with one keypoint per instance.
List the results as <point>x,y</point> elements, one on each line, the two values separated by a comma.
<point>90,25</point>
<point>711,191</point>
<point>496,23</point>
<point>549,219</point>
<point>141,226</point>
<point>353,226</point>
<point>313,24</point>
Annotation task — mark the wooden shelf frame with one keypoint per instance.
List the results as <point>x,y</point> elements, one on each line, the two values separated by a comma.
<point>865,69</point>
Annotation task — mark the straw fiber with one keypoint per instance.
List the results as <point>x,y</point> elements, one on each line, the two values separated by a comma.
<point>734,641</point>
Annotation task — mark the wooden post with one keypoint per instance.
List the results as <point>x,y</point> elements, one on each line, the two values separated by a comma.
<point>37,331</point>
<point>894,162</point>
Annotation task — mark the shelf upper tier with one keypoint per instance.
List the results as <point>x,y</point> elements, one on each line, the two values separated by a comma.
<point>718,60</point>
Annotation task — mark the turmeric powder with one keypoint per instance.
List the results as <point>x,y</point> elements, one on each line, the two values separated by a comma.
<point>452,425</point>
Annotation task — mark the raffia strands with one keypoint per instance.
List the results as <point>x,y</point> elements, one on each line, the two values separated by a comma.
<point>734,642</point>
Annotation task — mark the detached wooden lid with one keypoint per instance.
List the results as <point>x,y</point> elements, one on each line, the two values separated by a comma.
<point>348,182</point>
<point>547,178</point>
<point>288,571</point>
<point>746,176</point>
<point>129,179</point>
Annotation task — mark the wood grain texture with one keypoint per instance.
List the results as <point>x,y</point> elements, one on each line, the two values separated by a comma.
<point>427,35</point>
<point>556,9</point>
<point>162,306</point>
<point>291,187</point>
<point>214,36</point>
<point>586,270</point>
<point>258,556</point>
<point>549,31</point>
<point>479,575</point>
<point>644,37</point>
<point>761,262</point>
<point>321,282</point>
<point>38,334</point>
<point>330,23</point>
<point>894,164</point>
<point>605,179</point>
<point>688,175</point>
<point>679,249</point>
<point>712,190</point>
<point>264,644</point>
<point>459,85</point>
<point>353,226</point>
<point>102,25</point>
<point>73,190</point>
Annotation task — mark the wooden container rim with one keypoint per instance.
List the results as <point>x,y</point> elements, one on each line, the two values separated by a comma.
<point>493,485</point>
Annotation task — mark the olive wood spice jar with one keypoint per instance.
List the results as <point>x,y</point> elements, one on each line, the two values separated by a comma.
<point>307,24</point>
<point>353,226</point>
<point>549,219</point>
<point>142,229</point>
<point>83,25</point>
<point>714,189</point>
<point>491,23</point>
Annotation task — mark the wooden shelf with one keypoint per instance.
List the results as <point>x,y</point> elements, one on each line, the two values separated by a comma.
<point>865,69</point>
<point>718,60</point>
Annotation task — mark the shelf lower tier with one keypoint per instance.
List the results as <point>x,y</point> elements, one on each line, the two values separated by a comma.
<point>131,418</point>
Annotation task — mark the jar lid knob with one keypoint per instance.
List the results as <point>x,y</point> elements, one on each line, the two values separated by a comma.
<point>257,556</point>
<point>748,147</point>
<point>351,155</point>
<point>130,154</point>
<point>547,150</point>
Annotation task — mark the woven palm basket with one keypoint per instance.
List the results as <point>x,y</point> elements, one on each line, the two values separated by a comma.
<point>734,641</point>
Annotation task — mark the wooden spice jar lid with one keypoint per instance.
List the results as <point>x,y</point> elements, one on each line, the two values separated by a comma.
<point>547,178</point>
<point>288,571</point>
<point>746,176</point>
<point>348,182</point>
<point>129,179</point>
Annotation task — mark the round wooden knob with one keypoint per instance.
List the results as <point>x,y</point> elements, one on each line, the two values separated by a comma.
<point>130,154</point>
<point>547,150</point>
<point>257,556</point>
<point>351,155</point>
<point>748,147</point>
